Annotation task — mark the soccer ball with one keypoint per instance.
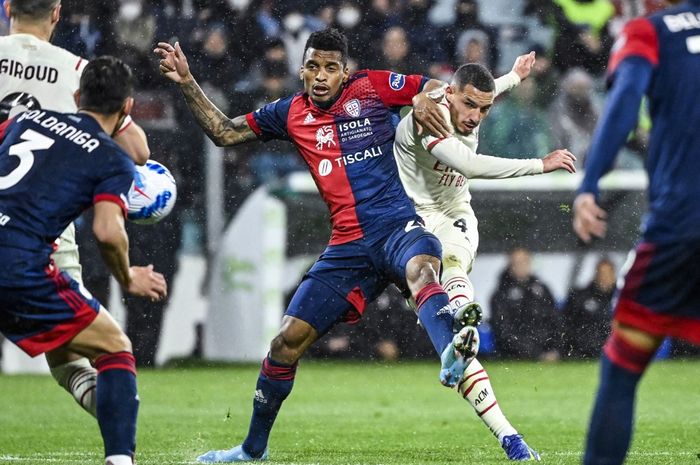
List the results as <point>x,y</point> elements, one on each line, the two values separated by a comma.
<point>152,195</point>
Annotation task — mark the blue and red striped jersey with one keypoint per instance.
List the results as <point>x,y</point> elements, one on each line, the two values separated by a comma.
<point>53,166</point>
<point>349,148</point>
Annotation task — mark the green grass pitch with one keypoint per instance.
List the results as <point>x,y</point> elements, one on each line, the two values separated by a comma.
<point>355,413</point>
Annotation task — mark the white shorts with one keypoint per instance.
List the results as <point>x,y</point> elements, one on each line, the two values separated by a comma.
<point>457,231</point>
<point>458,234</point>
<point>66,257</point>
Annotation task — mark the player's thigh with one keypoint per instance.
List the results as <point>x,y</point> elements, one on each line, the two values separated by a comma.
<point>459,242</point>
<point>102,336</point>
<point>67,257</point>
<point>337,288</point>
<point>411,256</point>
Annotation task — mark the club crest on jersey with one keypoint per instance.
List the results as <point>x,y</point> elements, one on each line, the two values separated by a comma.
<point>397,81</point>
<point>324,136</point>
<point>353,108</point>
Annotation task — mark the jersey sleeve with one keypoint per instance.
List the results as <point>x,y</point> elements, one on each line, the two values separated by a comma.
<point>115,181</point>
<point>270,121</point>
<point>396,89</point>
<point>638,39</point>
<point>506,82</point>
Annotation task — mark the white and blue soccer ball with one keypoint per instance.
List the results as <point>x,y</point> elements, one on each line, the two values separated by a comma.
<point>152,195</point>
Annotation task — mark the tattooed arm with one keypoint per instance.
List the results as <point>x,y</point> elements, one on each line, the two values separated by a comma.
<point>222,130</point>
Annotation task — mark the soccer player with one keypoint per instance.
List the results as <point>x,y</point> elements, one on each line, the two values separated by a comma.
<point>659,56</point>
<point>343,127</point>
<point>52,167</point>
<point>36,74</point>
<point>435,173</point>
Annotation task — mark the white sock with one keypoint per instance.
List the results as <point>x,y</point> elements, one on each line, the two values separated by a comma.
<point>456,283</point>
<point>79,378</point>
<point>119,460</point>
<point>476,389</point>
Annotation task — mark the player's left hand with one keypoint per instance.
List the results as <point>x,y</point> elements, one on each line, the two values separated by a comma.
<point>589,218</point>
<point>560,159</point>
<point>523,65</point>
<point>428,116</point>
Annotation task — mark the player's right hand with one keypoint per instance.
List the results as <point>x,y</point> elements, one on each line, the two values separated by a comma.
<point>560,159</point>
<point>173,62</point>
<point>589,218</point>
<point>147,283</point>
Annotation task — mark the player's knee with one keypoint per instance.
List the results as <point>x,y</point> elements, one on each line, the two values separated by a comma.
<point>285,349</point>
<point>117,342</point>
<point>420,272</point>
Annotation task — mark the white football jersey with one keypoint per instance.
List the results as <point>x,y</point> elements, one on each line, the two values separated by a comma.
<point>441,183</point>
<point>49,73</point>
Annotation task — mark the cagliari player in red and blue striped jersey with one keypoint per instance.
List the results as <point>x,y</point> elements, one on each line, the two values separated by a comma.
<point>657,55</point>
<point>343,127</point>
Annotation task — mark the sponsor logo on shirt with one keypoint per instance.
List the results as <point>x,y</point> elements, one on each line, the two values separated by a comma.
<point>355,129</point>
<point>353,108</point>
<point>309,118</point>
<point>397,81</point>
<point>350,158</point>
<point>325,167</point>
<point>324,136</point>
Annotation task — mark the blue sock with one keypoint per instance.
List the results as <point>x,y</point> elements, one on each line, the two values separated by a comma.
<point>610,430</point>
<point>274,385</point>
<point>433,313</point>
<point>117,403</point>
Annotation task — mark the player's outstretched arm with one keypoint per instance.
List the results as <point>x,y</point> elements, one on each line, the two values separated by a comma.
<point>521,70</point>
<point>108,227</point>
<point>222,130</point>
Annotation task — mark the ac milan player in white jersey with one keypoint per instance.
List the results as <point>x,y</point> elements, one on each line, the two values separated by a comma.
<point>33,72</point>
<point>435,174</point>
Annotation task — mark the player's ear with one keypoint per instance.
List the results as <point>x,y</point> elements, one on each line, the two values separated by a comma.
<point>55,14</point>
<point>346,73</point>
<point>76,97</point>
<point>301,73</point>
<point>128,105</point>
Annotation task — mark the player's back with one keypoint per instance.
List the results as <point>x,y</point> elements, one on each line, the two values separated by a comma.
<point>48,73</point>
<point>674,147</point>
<point>52,167</point>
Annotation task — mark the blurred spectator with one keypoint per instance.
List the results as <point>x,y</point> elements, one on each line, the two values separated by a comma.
<point>469,40</point>
<point>524,319</point>
<point>134,29</point>
<point>422,36</point>
<point>545,77</point>
<point>395,53</point>
<point>586,314</point>
<point>581,37</point>
<point>86,27</point>
<point>294,34</point>
<point>516,128</point>
<point>348,20</point>
<point>574,113</point>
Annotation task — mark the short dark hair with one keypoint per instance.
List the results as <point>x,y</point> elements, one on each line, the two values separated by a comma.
<point>476,75</point>
<point>104,85</point>
<point>32,9</point>
<point>329,39</point>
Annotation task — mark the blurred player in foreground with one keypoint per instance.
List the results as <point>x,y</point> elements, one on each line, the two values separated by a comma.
<point>343,127</point>
<point>52,167</point>
<point>435,173</point>
<point>659,56</point>
<point>36,74</point>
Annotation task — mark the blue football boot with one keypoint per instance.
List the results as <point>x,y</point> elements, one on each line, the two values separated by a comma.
<point>237,454</point>
<point>517,449</point>
<point>458,355</point>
